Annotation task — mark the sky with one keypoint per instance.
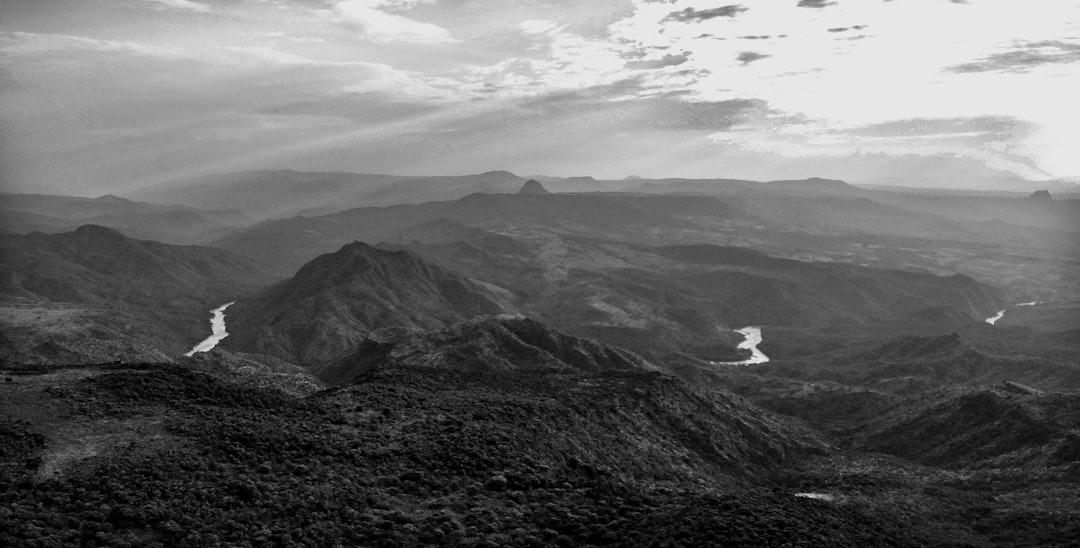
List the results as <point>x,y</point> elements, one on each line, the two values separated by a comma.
<point>104,96</point>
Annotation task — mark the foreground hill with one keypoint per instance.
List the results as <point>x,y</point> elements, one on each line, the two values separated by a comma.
<point>408,455</point>
<point>412,454</point>
<point>117,288</point>
<point>331,302</point>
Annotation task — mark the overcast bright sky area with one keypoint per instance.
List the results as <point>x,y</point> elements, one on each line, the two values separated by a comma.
<point>107,95</point>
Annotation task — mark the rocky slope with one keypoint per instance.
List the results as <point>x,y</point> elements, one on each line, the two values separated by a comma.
<point>505,343</point>
<point>1007,426</point>
<point>333,301</point>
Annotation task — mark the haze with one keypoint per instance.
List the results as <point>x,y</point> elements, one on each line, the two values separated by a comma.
<point>102,96</point>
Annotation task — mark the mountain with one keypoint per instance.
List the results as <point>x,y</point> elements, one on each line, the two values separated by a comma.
<point>263,194</point>
<point>532,186</point>
<point>753,288</point>
<point>96,265</point>
<point>289,243</point>
<point>286,193</point>
<point>113,288</point>
<point>503,343</point>
<point>986,427</point>
<point>816,186</point>
<point>956,359</point>
<point>23,213</point>
<point>334,300</point>
<point>416,190</point>
<point>581,263</point>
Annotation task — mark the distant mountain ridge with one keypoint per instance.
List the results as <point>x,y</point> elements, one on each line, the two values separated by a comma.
<point>95,264</point>
<point>175,224</point>
<point>285,193</point>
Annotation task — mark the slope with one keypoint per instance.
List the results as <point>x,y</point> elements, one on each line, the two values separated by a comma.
<point>128,291</point>
<point>504,343</point>
<point>335,299</point>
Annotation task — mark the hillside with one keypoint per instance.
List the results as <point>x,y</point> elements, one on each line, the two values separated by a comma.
<point>1006,426</point>
<point>112,288</point>
<point>753,288</point>
<point>331,302</point>
<point>94,265</point>
<point>484,343</point>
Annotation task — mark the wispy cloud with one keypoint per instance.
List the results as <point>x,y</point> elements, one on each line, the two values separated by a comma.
<point>814,3</point>
<point>182,5</point>
<point>1025,58</point>
<point>381,26</point>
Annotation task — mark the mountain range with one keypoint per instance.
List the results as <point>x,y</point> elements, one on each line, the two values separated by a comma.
<point>22,213</point>
<point>551,361</point>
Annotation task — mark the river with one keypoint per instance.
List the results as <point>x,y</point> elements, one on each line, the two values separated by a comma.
<point>992,320</point>
<point>217,329</point>
<point>750,342</point>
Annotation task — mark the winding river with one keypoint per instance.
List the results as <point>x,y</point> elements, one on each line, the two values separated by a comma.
<point>992,320</point>
<point>217,329</point>
<point>752,340</point>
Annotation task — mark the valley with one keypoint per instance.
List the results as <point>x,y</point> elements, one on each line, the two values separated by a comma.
<point>446,361</point>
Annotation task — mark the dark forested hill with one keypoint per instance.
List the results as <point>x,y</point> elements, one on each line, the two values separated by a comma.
<point>331,302</point>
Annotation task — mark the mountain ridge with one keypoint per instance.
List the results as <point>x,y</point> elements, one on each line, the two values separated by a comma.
<point>332,301</point>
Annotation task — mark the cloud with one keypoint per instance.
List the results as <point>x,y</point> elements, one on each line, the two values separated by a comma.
<point>184,5</point>
<point>845,29</point>
<point>747,57</point>
<point>380,26</point>
<point>668,60</point>
<point>995,126</point>
<point>1029,56</point>
<point>814,3</point>
<point>33,44</point>
<point>688,15</point>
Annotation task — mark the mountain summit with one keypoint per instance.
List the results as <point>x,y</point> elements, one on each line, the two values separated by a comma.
<point>334,300</point>
<point>532,186</point>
